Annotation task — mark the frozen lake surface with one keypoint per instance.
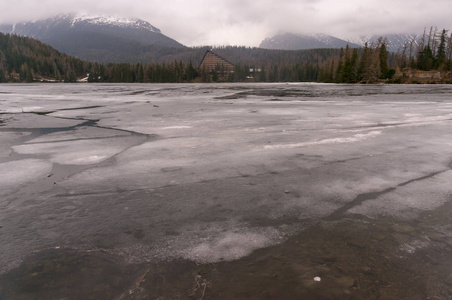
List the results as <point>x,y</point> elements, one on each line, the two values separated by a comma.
<point>228,191</point>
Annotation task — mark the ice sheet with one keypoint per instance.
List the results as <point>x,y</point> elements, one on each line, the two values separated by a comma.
<point>13,174</point>
<point>213,172</point>
<point>77,152</point>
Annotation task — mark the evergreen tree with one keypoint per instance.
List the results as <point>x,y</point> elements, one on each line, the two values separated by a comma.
<point>363,63</point>
<point>426,59</point>
<point>191,72</point>
<point>340,68</point>
<point>140,75</point>
<point>28,75</point>
<point>441,54</point>
<point>262,75</point>
<point>383,57</point>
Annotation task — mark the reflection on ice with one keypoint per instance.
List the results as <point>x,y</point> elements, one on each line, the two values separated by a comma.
<point>14,174</point>
<point>77,152</point>
<point>158,171</point>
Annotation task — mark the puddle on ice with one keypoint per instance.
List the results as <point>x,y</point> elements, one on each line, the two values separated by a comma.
<point>229,191</point>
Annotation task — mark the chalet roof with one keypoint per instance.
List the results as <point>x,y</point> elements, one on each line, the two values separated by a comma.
<point>211,52</point>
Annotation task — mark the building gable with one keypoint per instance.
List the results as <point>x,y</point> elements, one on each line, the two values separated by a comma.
<point>212,61</point>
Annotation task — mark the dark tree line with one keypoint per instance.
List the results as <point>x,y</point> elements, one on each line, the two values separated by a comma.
<point>175,72</point>
<point>24,59</point>
<point>366,65</point>
<point>431,51</point>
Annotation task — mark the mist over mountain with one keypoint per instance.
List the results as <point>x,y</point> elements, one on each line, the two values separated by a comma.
<point>394,42</point>
<point>111,39</point>
<point>97,38</point>
<point>291,41</point>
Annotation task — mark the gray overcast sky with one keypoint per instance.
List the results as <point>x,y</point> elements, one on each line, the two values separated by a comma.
<point>248,22</point>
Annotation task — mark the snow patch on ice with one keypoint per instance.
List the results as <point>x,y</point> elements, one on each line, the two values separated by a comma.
<point>414,246</point>
<point>81,152</point>
<point>176,127</point>
<point>352,139</point>
<point>231,245</point>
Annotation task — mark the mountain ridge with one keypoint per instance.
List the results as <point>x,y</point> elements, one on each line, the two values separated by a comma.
<point>293,41</point>
<point>96,38</point>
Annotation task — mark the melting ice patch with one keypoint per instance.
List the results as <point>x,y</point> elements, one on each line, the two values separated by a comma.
<point>409,200</point>
<point>19,172</point>
<point>231,245</point>
<point>352,139</point>
<point>414,245</point>
<point>79,152</point>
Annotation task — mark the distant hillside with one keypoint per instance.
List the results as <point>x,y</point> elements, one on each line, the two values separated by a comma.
<point>290,41</point>
<point>395,42</point>
<point>100,39</point>
<point>25,59</point>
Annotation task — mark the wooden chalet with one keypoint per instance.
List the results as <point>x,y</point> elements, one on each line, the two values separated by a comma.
<point>216,66</point>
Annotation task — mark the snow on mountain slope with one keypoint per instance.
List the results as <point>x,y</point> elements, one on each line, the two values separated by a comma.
<point>395,42</point>
<point>96,38</point>
<point>114,21</point>
<point>290,41</point>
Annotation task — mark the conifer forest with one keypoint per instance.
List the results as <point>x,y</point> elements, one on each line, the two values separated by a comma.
<point>24,59</point>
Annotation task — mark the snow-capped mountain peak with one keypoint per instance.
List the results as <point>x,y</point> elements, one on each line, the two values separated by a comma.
<point>394,42</point>
<point>113,21</point>
<point>95,37</point>
<point>291,41</point>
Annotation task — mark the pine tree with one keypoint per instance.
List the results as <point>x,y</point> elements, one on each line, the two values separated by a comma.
<point>140,75</point>
<point>340,68</point>
<point>191,73</point>
<point>383,57</point>
<point>425,60</point>
<point>28,75</point>
<point>363,63</point>
<point>441,54</point>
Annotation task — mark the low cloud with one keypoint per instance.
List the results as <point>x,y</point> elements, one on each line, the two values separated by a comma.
<point>246,22</point>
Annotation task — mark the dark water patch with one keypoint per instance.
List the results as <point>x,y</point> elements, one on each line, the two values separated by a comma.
<point>231,97</point>
<point>268,93</point>
<point>278,100</point>
<point>353,258</point>
<point>139,92</point>
<point>37,132</point>
<point>332,91</point>
<point>41,113</point>
<point>79,108</point>
<point>171,169</point>
<point>70,274</point>
<point>81,139</point>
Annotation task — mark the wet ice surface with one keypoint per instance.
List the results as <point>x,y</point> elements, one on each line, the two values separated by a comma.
<point>211,173</point>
